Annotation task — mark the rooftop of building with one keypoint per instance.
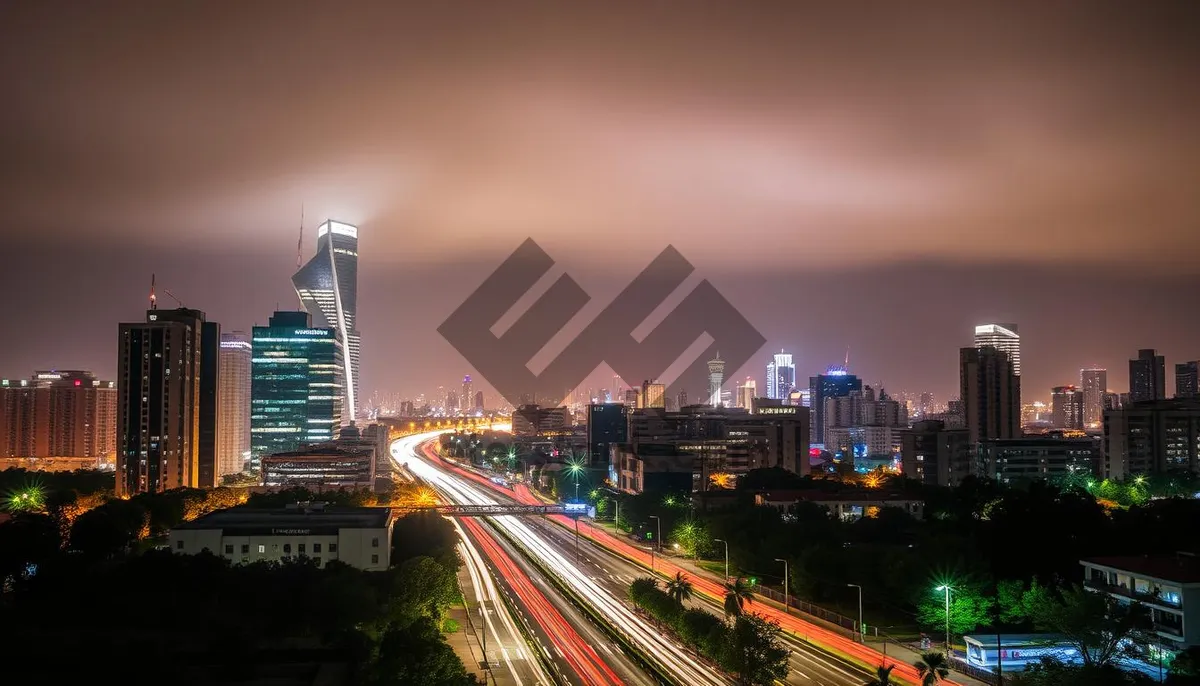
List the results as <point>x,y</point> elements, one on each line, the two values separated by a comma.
<point>855,495</point>
<point>1181,568</point>
<point>322,450</point>
<point>301,516</point>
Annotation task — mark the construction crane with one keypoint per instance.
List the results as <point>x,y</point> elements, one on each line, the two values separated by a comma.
<point>177,300</point>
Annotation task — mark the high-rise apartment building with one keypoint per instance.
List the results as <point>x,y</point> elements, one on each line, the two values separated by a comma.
<point>1152,437</point>
<point>716,379</point>
<point>1002,337</point>
<point>167,420</point>
<point>479,402</point>
<point>936,454</point>
<point>1147,376</point>
<point>991,394</point>
<point>836,382</point>
<point>607,424</point>
<point>1094,382</point>
<point>747,391</point>
<point>1066,406</point>
<point>1187,380</point>
<point>781,376</point>
<point>296,385</point>
<point>59,414</point>
<point>233,440</point>
<point>328,289</point>
<point>468,397</point>
<point>654,394</point>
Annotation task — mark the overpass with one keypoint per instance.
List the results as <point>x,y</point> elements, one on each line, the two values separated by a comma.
<point>495,510</point>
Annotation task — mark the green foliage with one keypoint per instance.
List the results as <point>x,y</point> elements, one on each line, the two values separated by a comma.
<point>1099,627</point>
<point>426,534</point>
<point>679,588</point>
<point>883,676</point>
<point>450,626</point>
<point>754,652</point>
<point>749,648</point>
<point>933,667</point>
<point>343,497</point>
<point>416,655</point>
<point>737,594</point>
<point>969,609</point>
<point>1053,673</point>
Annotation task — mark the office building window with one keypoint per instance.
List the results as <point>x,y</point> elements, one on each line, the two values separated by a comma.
<point>245,548</point>
<point>316,547</point>
<point>262,549</point>
<point>228,549</point>
<point>333,547</point>
<point>374,542</point>
<point>374,559</point>
<point>179,545</point>
<point>300,547</point>
<point>287,548</point>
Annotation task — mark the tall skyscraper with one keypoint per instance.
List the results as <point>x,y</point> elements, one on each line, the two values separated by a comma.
<point>1147,376</point>
<point>1002,337</point>
<point>479,402</point>
<point>1066,406</point>
<point>233,441</point>
<point>716,379</point>
<point>746,393</point>
<point>681,399</point>
<point>1095,383</point>
<point>65,414</point>
<point>296,387</point>
<point>836,382</point>
<point>781,376</point>
<point>991,394</point>
<point>328,290</point>
<point>654,394</point>
<point>467,396</point>
<point>1187,380</point>
<point>167,419</point>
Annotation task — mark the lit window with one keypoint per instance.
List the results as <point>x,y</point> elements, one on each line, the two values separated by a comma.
<point>262,549</point>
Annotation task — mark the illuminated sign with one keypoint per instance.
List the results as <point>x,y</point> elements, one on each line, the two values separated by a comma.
<point>49,376</point>
<point>575,508</point>
<point>338,228</point>
<point>312,332</point>
<point>291,532</point>
<point>790,409</point>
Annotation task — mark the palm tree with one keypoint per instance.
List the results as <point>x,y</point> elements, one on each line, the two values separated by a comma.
<point>883,676</point>
<point>932,668</point>
<point>679,588</point>
<point>737,594</point>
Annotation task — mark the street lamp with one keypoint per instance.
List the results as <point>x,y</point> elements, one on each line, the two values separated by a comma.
<point>786,606</point>
<point>946,588</point>
<point>575,469</point>
<point>861,636</point>
<point>717,540</point>
<point>658,522</point>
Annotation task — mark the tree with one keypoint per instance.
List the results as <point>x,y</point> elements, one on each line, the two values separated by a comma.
<point>883,676</point>
<point>679,588</point>
<point>737,594</point>
<point>969,608</point>
<point>421,587</point>
<point>1185,667</point>
<point>416,655</point>
<point>704,631</point>
<point>425,534</point>
<point>1099,627</point>
<point>1050,672</point>
<point>933,667</point>
<point>640,586</point>
<point>754,652</point>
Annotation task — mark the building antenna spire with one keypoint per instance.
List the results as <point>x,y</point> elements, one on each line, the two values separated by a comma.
<point>847,364</point>
<point>300,242</point>
<point>153,297</point>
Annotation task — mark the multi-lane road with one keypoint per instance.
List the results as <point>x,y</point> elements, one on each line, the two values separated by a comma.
<point>597,569</point>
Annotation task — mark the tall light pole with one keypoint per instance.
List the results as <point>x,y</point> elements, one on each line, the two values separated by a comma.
<point>946,588</point>
<point>786,601</point>
<point>658,522</point>
<point>717,540</point>
<point>861,636</point>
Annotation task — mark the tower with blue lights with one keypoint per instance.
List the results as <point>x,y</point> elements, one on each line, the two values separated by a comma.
<point>836,382</point>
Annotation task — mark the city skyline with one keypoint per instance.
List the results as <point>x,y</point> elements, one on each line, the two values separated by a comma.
<point>871,210</point>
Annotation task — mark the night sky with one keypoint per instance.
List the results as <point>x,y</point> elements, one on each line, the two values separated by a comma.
<point>867,177</point>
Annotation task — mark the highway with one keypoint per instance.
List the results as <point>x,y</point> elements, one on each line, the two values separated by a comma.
<point>580,652</point>
<point>602,597</point>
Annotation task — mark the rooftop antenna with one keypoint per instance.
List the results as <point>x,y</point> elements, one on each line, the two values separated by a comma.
<point>153,297</point>
<point>300,243</point>
<point>177,300</point>
<point>847,364</point>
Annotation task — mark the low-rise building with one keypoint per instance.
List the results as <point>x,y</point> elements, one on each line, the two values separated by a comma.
<point>1036,457</point>
<point>1167,585</point>
<point>359,536</point>
<point>319,467</point>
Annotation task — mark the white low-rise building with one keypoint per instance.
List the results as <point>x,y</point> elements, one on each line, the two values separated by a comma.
<point>359,536</point>
<point>1168,586</point>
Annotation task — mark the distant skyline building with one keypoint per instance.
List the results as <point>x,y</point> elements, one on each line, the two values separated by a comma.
<point>296,385</point>
<point>1067,407</point>
<point>59,414</point>
<point>1147,376</point>
<point>1002,337</point>
<point>654,394</point>
<point>990,391</point>
<point>328,290</point>
<point>167,420</point>
<point>781,376</point>
<point>1187,380</point>
<point>747,391</point>
<point>233,437</point>
<point>836,382</point>
<point>1095,383</point>
<point>468,396</point>
<point>716,379</point>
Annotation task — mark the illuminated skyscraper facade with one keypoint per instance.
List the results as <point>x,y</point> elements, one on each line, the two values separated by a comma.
<point>1002,337</point>
<point>781,376</point>
<point>716,379</point>
<point>836,382</point>
<point>1095,383</point>
<point>1147,376</point>
<point>296,387</point>
<point>233,440</point>
<point>328,290</point>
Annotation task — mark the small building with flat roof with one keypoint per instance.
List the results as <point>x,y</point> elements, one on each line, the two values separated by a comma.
<point>1168,586</point>
<point>359,536</point>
